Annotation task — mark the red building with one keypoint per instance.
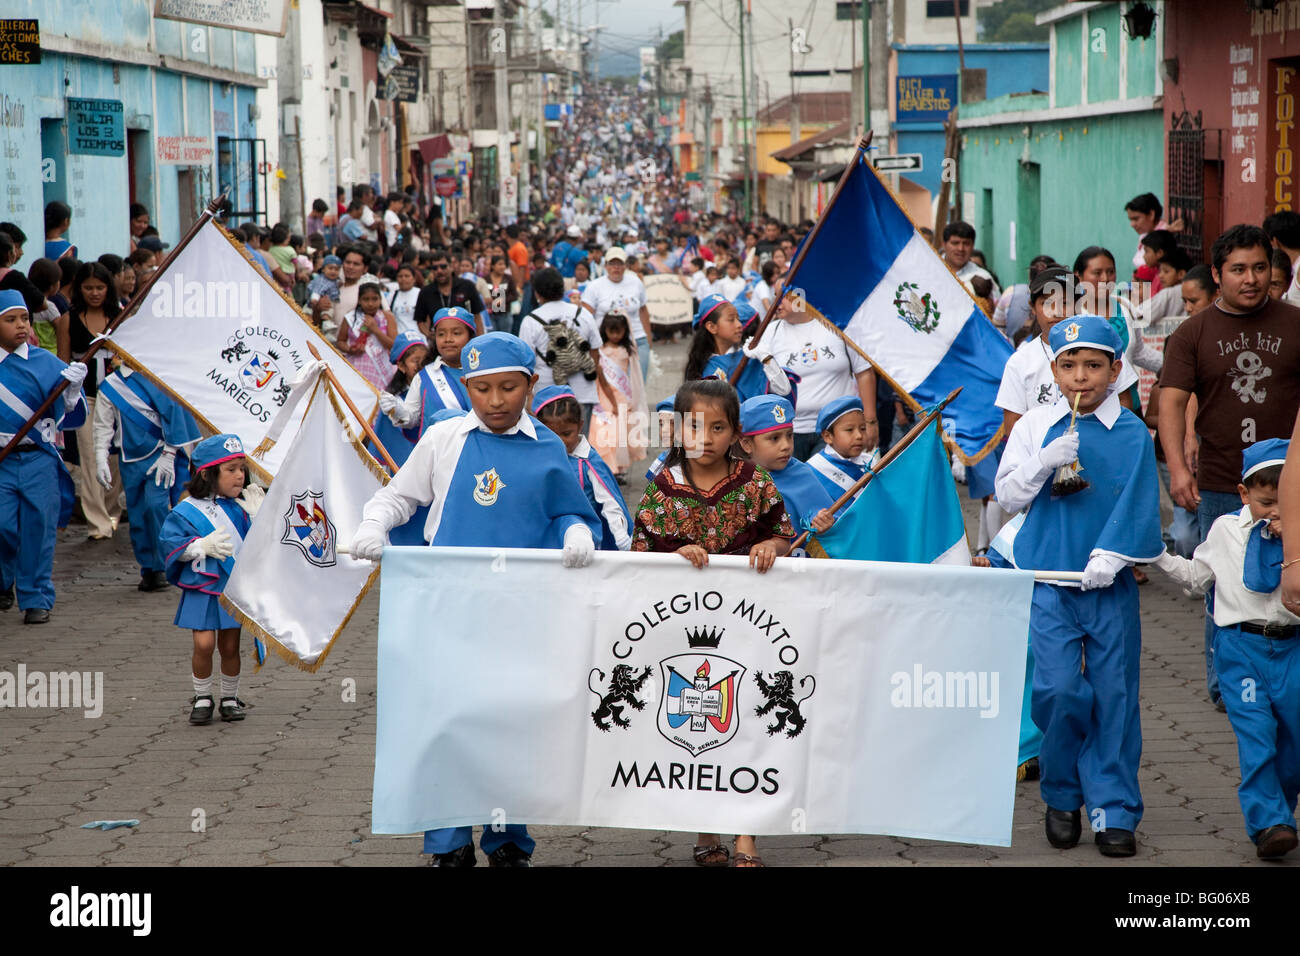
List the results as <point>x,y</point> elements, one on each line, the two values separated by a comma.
<point>1232,78</point>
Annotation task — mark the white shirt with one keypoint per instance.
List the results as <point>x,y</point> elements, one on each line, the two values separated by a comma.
<point>603,295</point>
<point>699,284</point>
<point>392,226</point>
<point>827,368</point>
<point>730,288</point>
<point>531,331</point>
<point>368,221</point>
<point>402,305</point>
<point>1027,380</point>
<point>427,474</point>
<point>1220,560</point>
<point>610,509</point>
<point>969,271</point>
<point>761,292</point>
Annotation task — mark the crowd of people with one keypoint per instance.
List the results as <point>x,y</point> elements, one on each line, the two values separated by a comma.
<point>525,348</point>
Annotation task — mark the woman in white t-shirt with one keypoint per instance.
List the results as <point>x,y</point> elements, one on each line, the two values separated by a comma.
<point>401,301</point>
<point>827,369</point>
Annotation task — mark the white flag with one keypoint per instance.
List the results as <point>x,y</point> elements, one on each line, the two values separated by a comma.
<point>225,342</point>
<point>826,696</point>
<point>290,585</point>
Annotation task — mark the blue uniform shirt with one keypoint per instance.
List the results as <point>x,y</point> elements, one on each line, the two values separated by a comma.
<point>803,491</point>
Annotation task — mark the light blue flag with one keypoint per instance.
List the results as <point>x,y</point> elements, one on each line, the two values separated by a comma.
<point>873,275</point>
<point>908,512</point>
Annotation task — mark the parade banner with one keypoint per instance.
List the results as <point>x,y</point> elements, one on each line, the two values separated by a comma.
<point>222,339</point>
<point>872,274</point>
<point>291,586</point>
<point>668,301</point>
<point>824,696</point>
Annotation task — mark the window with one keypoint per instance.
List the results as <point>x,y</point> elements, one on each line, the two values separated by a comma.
<point>943,8</point>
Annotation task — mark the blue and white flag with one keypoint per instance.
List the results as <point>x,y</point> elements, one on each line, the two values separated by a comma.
<point>872,274</point>
<point>908,512</point>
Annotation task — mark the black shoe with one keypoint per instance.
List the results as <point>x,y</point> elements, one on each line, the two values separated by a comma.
<point>461,856</point>
<point>1064,827</point>
<point>36,615</point>
<point>1221,705</point>
<point>509,855</point>
<point>7,600</point>
<point>201,713</point>
<point>1275,842</point>
<point>153,581</point>
<point>1116,842</point>
<point>232,708</point>
<point>1027,770</point>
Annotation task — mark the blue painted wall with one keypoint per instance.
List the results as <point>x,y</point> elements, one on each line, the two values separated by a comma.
<point>1009,68</point>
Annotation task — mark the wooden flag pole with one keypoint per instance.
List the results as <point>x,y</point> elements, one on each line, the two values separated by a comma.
<point>136,301</point>
<point>863,145</point>
<point>347,400</point>
<point>889,456</point>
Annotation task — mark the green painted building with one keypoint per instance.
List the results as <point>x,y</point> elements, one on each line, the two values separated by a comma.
<point>1051,172</point>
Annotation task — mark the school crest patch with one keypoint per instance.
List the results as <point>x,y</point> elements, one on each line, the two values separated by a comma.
<point>473,359</point>
<point>919,311</point>
<point>1072,331</point>
<point>778,414</point>
<point>487,486</point>
<point>308,528</point>
<point>258,371</point>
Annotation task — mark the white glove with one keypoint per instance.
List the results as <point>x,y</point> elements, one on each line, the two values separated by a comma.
<point>578,546</point>
<point>1101,570</point>
<point>388,401</point>
<point>104,473</point>
<point>307,370</point>
<point>758,353</point>
<point>75,374</point>
<point>1060,451</point>
<point>164,469</point>
<point>369,541</point>
<point>216,545</point>
<point>958,469</point>
<point>251,498</point>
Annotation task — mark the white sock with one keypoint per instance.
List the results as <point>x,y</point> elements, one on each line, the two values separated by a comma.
<point>202,686</point>
<point>996,518</point>
<point>229,687</point>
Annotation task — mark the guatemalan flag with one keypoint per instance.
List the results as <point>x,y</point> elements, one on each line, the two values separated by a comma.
<point>873,275</point>
<point>908,512</point>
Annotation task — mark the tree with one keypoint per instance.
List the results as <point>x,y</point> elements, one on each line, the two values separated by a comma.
<point>1012,21</point>
<point>672,47</point>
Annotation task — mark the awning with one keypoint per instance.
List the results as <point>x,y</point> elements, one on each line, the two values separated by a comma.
<point>434,147</point>
<point>407,48</point>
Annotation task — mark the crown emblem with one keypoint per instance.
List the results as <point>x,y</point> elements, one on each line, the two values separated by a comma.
<point>272,354</point>
<point>699,637</point>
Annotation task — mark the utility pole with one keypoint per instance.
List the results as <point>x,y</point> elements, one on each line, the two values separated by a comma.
<point>498,48</point>
<point>866,67</point>
<point>708,146</point>
<point>753,65</point>
<point>525,157</point>
<point>796,132</point>
<point>744,106</point>
<point>961,79</point>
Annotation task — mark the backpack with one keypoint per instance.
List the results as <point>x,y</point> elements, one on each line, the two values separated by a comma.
<point>567,353</point>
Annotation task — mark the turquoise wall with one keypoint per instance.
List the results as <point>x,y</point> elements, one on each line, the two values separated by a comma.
<point>1087,170</point>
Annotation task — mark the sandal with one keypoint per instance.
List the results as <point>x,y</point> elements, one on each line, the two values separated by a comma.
<point>745,860</point>
<point>705,854</point>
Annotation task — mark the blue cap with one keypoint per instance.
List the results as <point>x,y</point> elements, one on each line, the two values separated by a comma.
<point>215,450</point>
<point>404,343</point>
<point>1263,454</point>
<point>765,413</point>
<point>707,305</point>
<point>667,405</point>
<point>331,261</point>
<point>455,312</point>
<point>746,311</point>
<point>1083,332</point>
<point>833,411</point>
<point>551,393</point>
<point>12,299</point>
<point>494,352</point>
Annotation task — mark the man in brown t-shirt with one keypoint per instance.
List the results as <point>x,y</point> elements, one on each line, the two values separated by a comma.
<point>1241,359</point>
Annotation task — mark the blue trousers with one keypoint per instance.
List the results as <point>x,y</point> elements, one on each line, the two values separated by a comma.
<point>1214,504</point>
<point>447,839</point>
<point>148,505</point>
<point>1260,679</point>
<point>1092,732</point>
<point>1031,738</point>
<point>29,517</point>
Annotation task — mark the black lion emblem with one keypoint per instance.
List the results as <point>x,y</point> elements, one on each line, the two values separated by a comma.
<point>281,392</point>
<point>623,688</point>
<point>780,697</point>
<point>235,352</point>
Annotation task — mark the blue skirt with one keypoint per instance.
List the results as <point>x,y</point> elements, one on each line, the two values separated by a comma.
<point>201,612</point>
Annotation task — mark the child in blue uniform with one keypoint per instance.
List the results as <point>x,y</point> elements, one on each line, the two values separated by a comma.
<point>150,430</point>
<point>1257,646</point>
<point>495,477</point>
<point>842,462</point>
<point>407,355</point>
<point>716,350</point>
<point>201,538</point>
<point>1092,735</point>
<point>767,437</point>
<point>556,407</point>
<point>438,384</point>
<point>36,492</point>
